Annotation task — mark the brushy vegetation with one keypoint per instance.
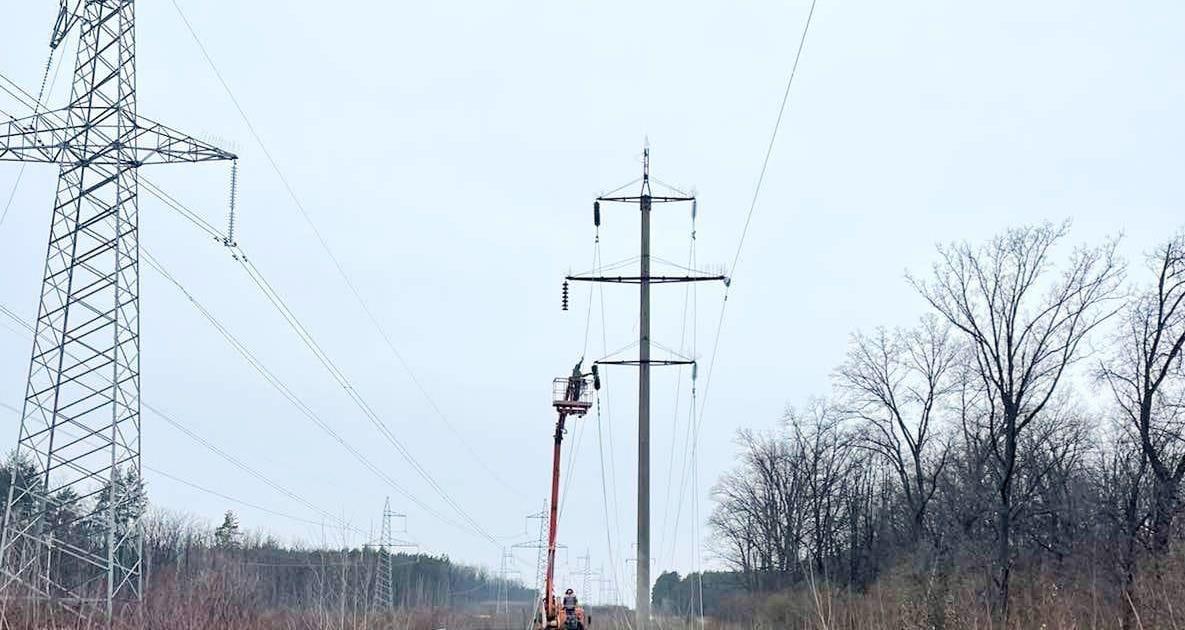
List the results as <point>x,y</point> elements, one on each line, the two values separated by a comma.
<point>200,577</point>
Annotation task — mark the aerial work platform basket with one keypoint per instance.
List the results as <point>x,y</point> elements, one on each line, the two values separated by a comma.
<point>572,395</point>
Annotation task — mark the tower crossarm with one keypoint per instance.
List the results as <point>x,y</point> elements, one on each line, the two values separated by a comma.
<point>48,138</point>
<point>38,138</point>
<point>158,144</point>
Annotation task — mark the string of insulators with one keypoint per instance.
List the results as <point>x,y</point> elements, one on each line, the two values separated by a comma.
<point>694,211</point>
<point>596,377</point>
<point>565,298</point>
<point>229,241</point>
<point>597,213</point>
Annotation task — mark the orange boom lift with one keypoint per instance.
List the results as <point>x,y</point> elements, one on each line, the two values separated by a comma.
<point>571,396</point>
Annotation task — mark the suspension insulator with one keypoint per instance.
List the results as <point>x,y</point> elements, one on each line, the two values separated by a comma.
<point>565,296</point>
<point>597,213</point>
<point>694,208</point>
<point>229,241</point>
<point>596,377</point>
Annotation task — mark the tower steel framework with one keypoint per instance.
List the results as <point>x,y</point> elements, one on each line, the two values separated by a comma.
<point>384,584</point>
<point>71,530</point>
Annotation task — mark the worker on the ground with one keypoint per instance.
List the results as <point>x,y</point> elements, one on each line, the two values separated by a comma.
<point>569,603</point>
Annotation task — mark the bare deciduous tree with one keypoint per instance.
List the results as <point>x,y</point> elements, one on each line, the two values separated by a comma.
<point>1145,376</point>
<point>1025,324</point>
<point>896,384</point>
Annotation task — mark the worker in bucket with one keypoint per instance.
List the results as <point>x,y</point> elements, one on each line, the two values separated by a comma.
<point>575,382</point>
<point>569,603</point>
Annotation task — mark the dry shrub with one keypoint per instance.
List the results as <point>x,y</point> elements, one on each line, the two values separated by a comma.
<point>1045,599</point>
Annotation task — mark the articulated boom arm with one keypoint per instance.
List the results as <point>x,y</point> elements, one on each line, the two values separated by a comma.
<point>571,398</point>
<point>48,138</point>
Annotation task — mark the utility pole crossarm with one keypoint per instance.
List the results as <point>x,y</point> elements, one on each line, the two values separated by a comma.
<point>651,198</point>
<point>48,138</point>
<point>651,279</point>
<point>655,362</point>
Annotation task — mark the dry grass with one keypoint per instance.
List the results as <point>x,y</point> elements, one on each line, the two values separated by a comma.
<point>1042,600</point>
<point>898,601</point>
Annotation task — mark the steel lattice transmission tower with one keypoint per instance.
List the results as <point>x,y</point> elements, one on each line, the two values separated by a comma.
<point>384,584</point>
<point>71,531</point>
<point>385,595</point>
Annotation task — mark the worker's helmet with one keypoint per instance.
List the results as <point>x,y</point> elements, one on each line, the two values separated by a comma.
<point>568,592</point>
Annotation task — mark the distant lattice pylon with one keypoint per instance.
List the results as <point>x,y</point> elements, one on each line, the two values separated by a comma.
<point>384,584</point>
<point>71,531</point>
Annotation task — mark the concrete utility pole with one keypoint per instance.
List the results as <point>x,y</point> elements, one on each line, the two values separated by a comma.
<point>643,587</point>
<point>645,200</point>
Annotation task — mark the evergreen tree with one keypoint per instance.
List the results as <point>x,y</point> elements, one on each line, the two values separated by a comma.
<point>227,534</point>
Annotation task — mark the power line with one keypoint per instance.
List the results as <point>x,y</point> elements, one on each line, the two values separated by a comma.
<point>238,463</point>
<point>698,423</point>
<point>248,504</point>
<point>302,332</point>
<point>343,526</point>
<point>772,138</point>
<point>36,110</point>
<point>291,396</point>
<point>254,362</point>
<point>687,292</point>
<point>602,430</point>
<point>193,217</point>
<point>355,396</point>
<point>341,269</point>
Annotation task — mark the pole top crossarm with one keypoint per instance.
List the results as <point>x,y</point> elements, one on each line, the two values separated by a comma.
<point>651,198</point>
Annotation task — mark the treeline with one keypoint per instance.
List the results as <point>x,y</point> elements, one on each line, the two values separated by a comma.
<point>180,549</point>
<point>1016,457</point>
<point>226,576</point>
<point>679,596</point>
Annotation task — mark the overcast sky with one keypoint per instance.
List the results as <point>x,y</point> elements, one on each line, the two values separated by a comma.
<point>449,152</point>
